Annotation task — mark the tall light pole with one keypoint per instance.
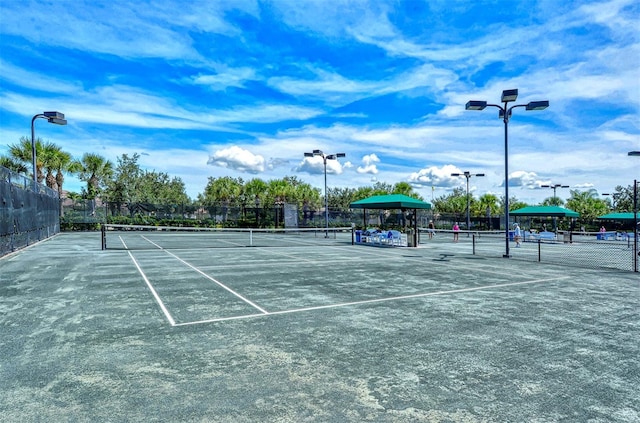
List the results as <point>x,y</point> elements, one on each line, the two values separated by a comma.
<point>635,217</point>
<point>468,175</point>
<point>554,187</point>
<point>53,117</point>
<point>614,198</point>
<point>325,157</point>
<point>504,113</point>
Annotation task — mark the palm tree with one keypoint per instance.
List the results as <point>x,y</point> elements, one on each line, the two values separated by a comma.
<point>487,205</point>
<point>63,162</point>
<point>95,170</point>
<point>13,165</point>
<point>48,157</point>
<point>222,190</point>
<point>22,152</point>
<point>587,204</point>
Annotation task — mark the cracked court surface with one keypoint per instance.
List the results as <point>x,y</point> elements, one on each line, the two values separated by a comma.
<point>338,333</point>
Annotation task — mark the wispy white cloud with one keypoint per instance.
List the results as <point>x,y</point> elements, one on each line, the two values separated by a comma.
<point>124,29</point>
<point>225,78</point>
<point>275,80</point>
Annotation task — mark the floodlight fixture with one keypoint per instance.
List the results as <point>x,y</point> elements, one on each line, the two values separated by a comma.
<point>56,115</point>
<point>537,105</point>
<point>633,153</point>
<point>509,95</point>
<point>476,105</point>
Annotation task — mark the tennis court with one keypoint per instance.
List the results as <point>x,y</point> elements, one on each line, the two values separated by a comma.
<point>316,332</point>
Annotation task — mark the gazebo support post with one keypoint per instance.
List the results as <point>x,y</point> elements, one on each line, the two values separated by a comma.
<point>415,227</point>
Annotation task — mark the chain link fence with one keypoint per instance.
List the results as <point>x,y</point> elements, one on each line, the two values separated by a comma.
<point>588,250</point>
<point>29,212</point>
<point>88,214</point>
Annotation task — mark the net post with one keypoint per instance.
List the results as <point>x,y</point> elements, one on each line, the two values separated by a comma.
<point>251,237</point>
<point>103,236</point>
<point>539,251</point>
<point>473,240</point>
<point>353,235</point>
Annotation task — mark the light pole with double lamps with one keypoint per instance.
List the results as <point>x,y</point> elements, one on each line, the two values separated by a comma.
<point>505,111</point>
<point>325,157</point>
<point>554,187</point>
<point>468,175</point>
<point>635,217</point>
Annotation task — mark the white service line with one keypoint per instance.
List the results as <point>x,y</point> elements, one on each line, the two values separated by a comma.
<point>153,291</point>
<point>377,300</point>
<point>123,243</point>
<point>251,303</point>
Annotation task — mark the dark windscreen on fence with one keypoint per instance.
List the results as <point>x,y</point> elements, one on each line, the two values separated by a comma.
<point>28,212</point>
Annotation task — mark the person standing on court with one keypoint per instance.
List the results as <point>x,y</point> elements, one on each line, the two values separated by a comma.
<point>517,234</point>
<point>456,230</point>
<point>431,229</point>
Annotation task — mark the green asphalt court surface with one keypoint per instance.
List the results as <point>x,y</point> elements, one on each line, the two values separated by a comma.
<point>340,333</point>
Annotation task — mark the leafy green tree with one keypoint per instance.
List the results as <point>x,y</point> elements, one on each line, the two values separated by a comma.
<point>122,187</point>
<point>453,203</point>
<point>622,199</point>
<point>382,188</point>
<point>362,193</point>
<point>341,198</point>
<point>514,204</point>
<point>131,184</point>
<point>160,188</point>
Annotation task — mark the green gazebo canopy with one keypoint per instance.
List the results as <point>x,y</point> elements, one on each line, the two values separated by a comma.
<point>389,202</point>
<point>618,216</point>
<point>554,211</point>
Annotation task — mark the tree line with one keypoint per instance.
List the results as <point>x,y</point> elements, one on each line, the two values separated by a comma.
<point>126,182</point>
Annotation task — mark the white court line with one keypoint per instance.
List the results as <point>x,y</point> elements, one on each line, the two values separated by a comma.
<point>153,291</point>
<point>123,243</point>
<point>377,300</point>
<point>246,300</point>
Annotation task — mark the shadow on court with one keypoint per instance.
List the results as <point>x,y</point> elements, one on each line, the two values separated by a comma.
<point>316,334</point>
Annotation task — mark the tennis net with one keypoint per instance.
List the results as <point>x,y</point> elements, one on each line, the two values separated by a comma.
<point>142,237</point>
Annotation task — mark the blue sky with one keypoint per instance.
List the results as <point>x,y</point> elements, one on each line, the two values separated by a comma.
<point>245,88</point>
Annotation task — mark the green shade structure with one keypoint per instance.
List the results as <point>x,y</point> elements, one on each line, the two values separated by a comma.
<point>553,211</point>
<point>389,202</point>
<point>617,216</point>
